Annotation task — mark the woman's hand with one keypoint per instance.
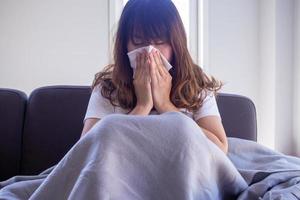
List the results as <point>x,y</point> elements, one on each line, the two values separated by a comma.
<point>141,82</point>
<point>161,83</point>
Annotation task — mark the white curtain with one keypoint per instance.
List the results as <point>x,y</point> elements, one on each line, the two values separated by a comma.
<point>279,74</point>
<point>254,47</point>
<point>296,104</point>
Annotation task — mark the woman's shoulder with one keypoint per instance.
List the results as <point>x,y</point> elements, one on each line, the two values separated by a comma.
<point>209,105</point>
<point>206,93</point>
<point>97,87</point>
<point>105,101</point>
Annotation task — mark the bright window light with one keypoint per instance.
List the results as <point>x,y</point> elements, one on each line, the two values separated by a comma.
<point>183,9</point>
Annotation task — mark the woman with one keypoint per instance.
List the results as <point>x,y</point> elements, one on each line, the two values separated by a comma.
<point>153,89</point>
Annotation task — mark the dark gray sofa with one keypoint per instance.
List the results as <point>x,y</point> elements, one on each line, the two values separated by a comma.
<point>37,131</point>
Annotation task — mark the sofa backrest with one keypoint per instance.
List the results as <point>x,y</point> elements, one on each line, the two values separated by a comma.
<point>12,110</point>
<point>238,115</point>
<point>53,124</point>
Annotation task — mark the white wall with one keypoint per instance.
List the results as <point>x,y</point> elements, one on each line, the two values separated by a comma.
<point>52,42</point>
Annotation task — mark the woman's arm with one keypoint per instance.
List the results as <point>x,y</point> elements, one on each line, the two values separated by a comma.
<point>213,129</point>
<point>140,110</point>
<point>88,124</point>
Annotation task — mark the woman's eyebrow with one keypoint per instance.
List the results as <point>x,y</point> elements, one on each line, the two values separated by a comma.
<point>159,38</point>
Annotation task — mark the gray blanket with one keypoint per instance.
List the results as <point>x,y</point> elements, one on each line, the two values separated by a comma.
<point>269,174</point>
<point>157,157</point>
<point>143,157</point>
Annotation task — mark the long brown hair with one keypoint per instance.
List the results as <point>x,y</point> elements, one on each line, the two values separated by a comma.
<point>154,19</point>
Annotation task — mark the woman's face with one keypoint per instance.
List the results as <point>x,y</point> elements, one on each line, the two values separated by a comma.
<point>163,46</point>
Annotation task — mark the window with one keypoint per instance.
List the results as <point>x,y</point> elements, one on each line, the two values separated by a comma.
<point>183,9</point>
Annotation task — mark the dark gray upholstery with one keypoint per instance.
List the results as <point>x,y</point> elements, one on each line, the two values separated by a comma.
<point>238,115</point>
<point>12,110</point>
<point>53,124</point>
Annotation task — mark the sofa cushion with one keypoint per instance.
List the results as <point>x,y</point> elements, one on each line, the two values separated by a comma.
<point>53,124</point>
<point>238,116</point>
<point>12,110</point>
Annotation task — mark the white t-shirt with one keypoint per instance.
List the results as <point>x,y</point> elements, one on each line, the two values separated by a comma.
<point>98,107</point>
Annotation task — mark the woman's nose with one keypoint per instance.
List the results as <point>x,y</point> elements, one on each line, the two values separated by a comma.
<point>153,44</point>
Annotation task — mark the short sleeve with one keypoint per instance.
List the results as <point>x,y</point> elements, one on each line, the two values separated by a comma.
<point>209,107</point>
<point>98,106</point>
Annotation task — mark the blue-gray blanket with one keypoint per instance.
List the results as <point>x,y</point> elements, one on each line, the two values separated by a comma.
<point>269,174</point>
<point>143,157</point>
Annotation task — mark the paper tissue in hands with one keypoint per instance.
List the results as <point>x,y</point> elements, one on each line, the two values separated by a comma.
<point>132,57</point>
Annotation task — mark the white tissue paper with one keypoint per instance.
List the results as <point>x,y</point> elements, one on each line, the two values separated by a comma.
<point>132,57</point>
